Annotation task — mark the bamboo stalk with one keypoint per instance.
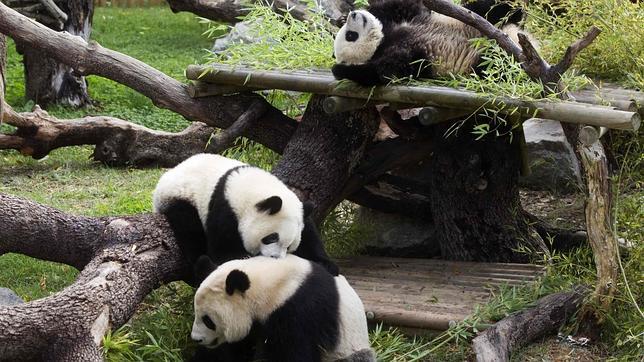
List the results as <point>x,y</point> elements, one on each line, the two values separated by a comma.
<point>422,96</point>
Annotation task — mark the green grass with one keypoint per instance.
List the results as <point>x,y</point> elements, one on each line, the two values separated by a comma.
<point>67,180</point>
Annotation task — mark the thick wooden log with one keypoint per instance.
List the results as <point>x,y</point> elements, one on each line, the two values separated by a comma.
<point>122,260</point>
<point>324,83</point>
<point>496,343</point>
<point>198,89</point>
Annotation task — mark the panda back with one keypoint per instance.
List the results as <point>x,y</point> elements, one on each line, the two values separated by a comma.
<point>353,337</point>
<point>448,40</point>
<point>193,180</point>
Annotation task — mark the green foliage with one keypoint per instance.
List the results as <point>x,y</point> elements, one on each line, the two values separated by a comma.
<point>617,54</point>
<point>286,43</point>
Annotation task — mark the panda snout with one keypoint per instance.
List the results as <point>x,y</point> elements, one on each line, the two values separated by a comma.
<point>270,239</point>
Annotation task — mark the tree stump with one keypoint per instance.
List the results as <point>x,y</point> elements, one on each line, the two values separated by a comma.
<point>46,80</point>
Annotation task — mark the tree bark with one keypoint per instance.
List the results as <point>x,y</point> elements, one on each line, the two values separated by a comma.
<point>324,152</point>
<point>496,343</point>
<point>122,260</point>
<point>600,235</point>
<point>118,142</point>
<point>475,199</point>
<point>49,81</point>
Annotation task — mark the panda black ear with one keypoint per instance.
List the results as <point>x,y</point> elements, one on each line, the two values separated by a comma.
<point>308,208</point>
<point>237,280</point>
<point>203,267</point>
<point>273,205</point>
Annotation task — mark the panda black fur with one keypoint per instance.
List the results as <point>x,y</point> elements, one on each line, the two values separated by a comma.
<point>402,38</point>
<point>286,309</point>
<point>226,209</point>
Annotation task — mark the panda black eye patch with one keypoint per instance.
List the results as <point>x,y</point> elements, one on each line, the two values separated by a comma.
<point>271,239</point>
<point>351,36</point>
<point>208,322</point>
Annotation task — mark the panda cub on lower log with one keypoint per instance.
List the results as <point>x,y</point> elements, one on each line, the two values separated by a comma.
<point>227,210</point>
<point>403,38</point>
<point>280,310</point>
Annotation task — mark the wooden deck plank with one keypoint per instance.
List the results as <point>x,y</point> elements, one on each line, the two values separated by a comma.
<point>428,293</point>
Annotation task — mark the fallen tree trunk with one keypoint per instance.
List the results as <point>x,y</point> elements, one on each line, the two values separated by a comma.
<point>497,343</point>
<point>122,260</point>
<point>118,142</point>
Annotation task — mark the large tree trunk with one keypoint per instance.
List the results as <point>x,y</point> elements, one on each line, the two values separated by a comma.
<point>48,81</point>
<point>122,260</point>
<point>475,202</point>
<point>324,152</point>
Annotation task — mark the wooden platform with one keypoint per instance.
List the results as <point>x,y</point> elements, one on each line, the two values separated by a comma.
<point>623,112</point>
<point>428,293</point>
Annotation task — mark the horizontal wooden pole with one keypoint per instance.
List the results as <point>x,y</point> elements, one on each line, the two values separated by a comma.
<point>621,104</point>
<point>335,104</point>
<point>320,83</point>
<point>198,89</point>
<point>590,134</point>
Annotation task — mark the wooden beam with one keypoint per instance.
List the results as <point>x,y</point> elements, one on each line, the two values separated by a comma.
<point>324,83</point>
<point>198,89</point>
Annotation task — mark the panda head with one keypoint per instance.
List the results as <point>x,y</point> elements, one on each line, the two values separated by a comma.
<point>239,292</point>
<point>358,39</point>
<point>270,216</point>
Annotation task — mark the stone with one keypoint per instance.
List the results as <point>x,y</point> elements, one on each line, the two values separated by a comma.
<point>397,236</point>
<point>240,33</point>
<point>9,297</point>
<point>553,164</point>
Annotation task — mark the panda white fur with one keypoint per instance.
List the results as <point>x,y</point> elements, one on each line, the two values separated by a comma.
<point>285,310</point>
<point>402,38</point>
<point>226,209</point>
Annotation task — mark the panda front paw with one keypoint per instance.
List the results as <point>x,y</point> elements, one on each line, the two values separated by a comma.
<point>363,74</point>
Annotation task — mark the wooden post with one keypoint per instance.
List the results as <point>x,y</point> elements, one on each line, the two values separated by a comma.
<point>599,226</point>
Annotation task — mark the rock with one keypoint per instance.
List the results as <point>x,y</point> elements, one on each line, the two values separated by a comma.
<point>8,297</point>
<point>552,159</point>
<point>240,33</point>
<point>397,235</point>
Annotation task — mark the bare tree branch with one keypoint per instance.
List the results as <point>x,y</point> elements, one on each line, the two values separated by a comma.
<point>225,139</point>
<point>164,91</point>
<point>118,142</point>
<point>533,64</point>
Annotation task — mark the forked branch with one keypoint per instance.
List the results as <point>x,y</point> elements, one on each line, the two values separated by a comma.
<point>534,65</point>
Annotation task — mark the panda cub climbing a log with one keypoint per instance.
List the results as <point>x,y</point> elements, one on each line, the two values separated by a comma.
<point>279,310</point>
<point>227,210</point>
<point>402,38</point>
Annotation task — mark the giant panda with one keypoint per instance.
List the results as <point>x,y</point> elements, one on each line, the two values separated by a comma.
<point>402,38</point>
<point>280,310</point>
<point>227,209</point>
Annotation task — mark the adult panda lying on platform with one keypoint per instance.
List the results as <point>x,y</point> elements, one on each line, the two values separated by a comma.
<point>402,38</point>
<point>279,310</point>
<point>227,210</point>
